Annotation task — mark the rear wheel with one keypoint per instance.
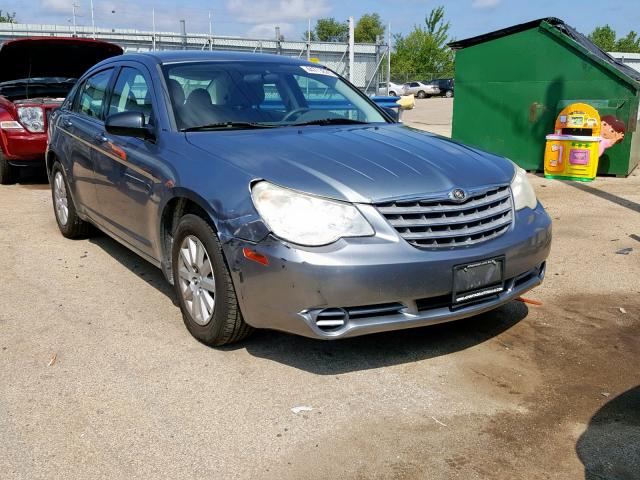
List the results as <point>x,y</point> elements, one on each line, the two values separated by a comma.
<point>7,172</point>
<point>69,223</point>
<point>392,94</point>
<point>421,94</point>
<point>203,285</point>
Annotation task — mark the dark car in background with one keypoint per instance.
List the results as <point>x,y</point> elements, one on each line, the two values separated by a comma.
<point>272,193</point>
<point>444,85</point>
<point>36,74</point>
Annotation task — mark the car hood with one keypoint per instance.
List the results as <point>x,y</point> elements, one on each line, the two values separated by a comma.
<point>52,57</point>
<point>361,164</point>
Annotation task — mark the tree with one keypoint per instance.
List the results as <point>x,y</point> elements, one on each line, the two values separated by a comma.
<point>329,30</point>
<point>629,44</point>
<point>424,51</point>
<point>6,17</point>
<point>369,28</point>
<point>604,37</point>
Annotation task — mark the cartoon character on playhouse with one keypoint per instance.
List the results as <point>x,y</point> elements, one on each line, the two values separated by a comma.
<point>611,132</point>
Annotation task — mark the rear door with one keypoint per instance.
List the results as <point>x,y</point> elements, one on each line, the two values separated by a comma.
<point>126,168</point>
<point>80,126</point>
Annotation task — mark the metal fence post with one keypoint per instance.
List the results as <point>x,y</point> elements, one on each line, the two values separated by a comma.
<point>351,49</point>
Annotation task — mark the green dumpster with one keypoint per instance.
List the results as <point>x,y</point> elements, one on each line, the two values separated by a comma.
<point>511,84</point>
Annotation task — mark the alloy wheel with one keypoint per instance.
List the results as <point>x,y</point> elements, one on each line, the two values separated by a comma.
<point>197,282</point>
<point>60,198</point>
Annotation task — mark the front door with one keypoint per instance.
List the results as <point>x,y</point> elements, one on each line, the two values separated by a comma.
<point>126,167</point>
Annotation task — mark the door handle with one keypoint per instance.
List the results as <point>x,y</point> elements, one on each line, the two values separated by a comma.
<point>67,123</point>
<point>101,137</point>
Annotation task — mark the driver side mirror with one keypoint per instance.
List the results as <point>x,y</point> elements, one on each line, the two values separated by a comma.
<point>128,124</point>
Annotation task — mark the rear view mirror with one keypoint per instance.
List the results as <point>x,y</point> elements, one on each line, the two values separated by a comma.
<point>128,124</point>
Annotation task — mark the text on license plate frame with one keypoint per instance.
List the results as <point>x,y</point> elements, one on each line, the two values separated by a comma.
<point>477,280</point>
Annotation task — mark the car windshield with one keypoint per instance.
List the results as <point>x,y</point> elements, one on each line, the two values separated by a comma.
<point>217,95</point>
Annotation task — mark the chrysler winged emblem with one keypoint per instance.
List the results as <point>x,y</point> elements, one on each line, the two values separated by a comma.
<point>458,195</point>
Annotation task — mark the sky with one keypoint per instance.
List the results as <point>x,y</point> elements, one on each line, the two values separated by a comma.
<point>258,18</point>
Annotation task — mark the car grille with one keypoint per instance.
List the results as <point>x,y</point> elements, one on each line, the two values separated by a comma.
<point>445,223</point>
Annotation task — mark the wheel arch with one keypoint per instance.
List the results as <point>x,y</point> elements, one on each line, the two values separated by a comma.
<point>182,202</point>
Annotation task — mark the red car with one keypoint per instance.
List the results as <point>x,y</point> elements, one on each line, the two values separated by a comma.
<point>36,74</point>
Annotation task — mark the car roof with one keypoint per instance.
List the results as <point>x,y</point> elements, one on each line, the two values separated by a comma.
<point>178,56</point>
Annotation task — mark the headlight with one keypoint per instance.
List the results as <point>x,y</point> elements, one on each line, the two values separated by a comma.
<point>523,193</point>
<point>32,118</point>
<point>307,220</point>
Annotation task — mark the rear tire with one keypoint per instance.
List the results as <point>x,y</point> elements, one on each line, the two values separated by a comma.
<point>203,285</point>
<point>421,94</point>
<point>392,94</point>
<point>69,223</point>
<point>7,172</point>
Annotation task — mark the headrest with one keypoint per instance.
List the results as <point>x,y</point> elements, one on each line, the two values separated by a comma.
<point>176,91</point>
<point>199,96</point>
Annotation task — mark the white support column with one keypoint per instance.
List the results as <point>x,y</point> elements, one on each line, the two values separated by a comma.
<point>351,49</point>
<point>93,23</point>
<point>389,58</point>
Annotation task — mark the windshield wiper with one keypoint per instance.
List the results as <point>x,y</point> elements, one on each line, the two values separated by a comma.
<point>230,125</point>
<point>331,121</point>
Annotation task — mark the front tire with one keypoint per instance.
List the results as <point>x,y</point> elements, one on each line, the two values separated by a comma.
<point>7,172</point>
<point>392,94</point>
<point>69,223</point>
<point>448,94</point>
<point>203,285</point>
<point>421,94</point>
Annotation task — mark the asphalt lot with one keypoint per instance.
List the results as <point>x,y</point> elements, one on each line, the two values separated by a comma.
<point>531,392</point>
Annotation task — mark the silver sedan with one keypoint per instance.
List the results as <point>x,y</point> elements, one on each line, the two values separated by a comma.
<point>420,90</point>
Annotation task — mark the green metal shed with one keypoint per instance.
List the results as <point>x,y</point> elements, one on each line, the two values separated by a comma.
<point>512,83</point>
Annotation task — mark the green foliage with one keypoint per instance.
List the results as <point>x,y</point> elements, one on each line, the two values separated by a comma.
<point>7,17</point>
<point>629,44</point>
<point>329,30</point>
<point>605,38</point>
<point>366,30</point>
<point>369,28</point>
<point>424,52</point>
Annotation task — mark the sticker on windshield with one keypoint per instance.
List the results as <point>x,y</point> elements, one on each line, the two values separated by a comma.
<point>318,70</point>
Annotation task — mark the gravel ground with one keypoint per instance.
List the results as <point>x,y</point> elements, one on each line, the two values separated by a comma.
<point>100,379</point>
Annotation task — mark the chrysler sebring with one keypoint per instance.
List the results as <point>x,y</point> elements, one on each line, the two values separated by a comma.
<point>273,194</point>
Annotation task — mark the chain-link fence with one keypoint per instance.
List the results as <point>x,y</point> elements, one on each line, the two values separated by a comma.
<point>405,77</point>
<point>366,70</point>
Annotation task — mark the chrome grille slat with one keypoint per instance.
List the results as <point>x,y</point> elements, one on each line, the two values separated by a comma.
<point>442,223</point>
<point>444,205</point>
<point>498,209</point>
<point>463,232</point>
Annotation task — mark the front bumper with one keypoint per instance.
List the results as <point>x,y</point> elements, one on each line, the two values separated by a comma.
<point>381,282</point>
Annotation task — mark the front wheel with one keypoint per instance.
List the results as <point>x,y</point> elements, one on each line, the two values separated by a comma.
<point>448,94</point>
<point>203,285</point>
<point>392,94</point>
<point>421,94</point>
<point>7,172</point>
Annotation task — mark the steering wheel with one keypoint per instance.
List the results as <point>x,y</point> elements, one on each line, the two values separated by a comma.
<point>297,111</point>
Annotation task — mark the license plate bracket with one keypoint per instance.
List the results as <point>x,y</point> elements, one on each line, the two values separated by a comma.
<point>478,280</point>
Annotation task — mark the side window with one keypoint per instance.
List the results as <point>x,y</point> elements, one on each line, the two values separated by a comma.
<point>92,94</point>
<point>272,97</point>
<point>131,94</point>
